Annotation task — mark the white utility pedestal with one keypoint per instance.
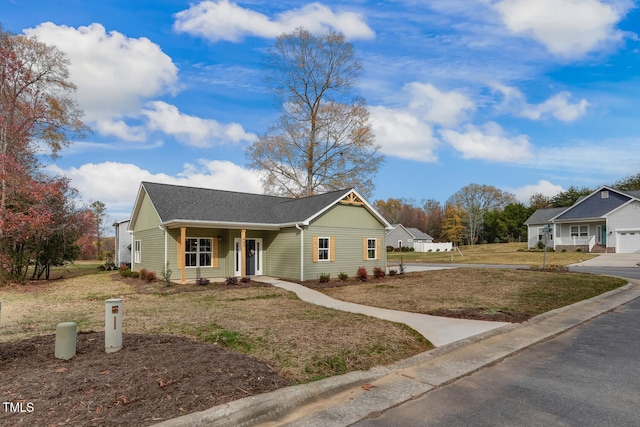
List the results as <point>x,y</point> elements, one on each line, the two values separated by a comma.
<point>112,325</point>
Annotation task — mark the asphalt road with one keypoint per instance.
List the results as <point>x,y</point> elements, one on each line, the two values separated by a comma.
<point>628,272</point>
<point>587,376</point>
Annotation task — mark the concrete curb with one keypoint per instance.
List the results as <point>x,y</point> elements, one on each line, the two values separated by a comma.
<point>270,406</point>
<point>342,400</point>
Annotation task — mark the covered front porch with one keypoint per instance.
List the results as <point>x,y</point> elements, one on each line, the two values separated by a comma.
<point>215,253</point>
<point>583,236</point>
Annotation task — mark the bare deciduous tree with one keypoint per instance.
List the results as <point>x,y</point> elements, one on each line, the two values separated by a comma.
<point>323,140</point>
<point>475,201</point>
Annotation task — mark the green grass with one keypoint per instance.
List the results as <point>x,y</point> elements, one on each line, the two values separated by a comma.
<point>497,253</point>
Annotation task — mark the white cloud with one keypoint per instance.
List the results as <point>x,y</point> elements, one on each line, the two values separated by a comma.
<point>567,28</point>
<point>544,187</point>
<point>193,130</point>
<point>113,73</point>
<point>488,142</point>
<point>121,130</point>
<point>116,184</point>
<point>558,106</point>
<point>408,131</point>
<point>402,134</point>
<point>223,20</point>
<point>443,108</point>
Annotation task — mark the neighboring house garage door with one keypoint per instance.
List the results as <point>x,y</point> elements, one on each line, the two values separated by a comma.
<point>628,242</point>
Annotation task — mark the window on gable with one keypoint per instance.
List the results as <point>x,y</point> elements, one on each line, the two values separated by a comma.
<point>198,252</point>
<point>604,194</point>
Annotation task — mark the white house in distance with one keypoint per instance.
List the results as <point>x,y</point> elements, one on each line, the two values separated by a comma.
<point>400,236</point>
<point>123,243</point>
<point>607,220</point>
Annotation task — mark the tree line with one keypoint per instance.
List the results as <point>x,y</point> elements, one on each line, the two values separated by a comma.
<point>482,213</point>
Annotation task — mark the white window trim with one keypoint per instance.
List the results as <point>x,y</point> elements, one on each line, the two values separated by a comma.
<point>327,249</point>
<point>137,251</point>
<point>579,231</point>
<point>375,248</point>
<point>197,252</point>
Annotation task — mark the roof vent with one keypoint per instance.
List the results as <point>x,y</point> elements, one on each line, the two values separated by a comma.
<point>604,194</point>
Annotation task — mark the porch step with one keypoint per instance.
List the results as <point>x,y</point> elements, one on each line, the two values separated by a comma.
<point>599,249</point>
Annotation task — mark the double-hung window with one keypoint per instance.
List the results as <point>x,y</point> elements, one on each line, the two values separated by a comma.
<point>579,231</point>
<point>371,249</point>
<point>323,249</point>
<point>198,252</point>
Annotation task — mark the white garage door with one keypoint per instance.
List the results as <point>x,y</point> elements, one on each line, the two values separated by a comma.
<point>628,242</point>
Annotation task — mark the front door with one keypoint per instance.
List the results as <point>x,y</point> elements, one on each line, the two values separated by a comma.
<point>603,235</point>
<point>252,258</point>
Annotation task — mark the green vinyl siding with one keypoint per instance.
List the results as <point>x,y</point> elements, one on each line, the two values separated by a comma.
<point>348,251</point>
<point>147,216</point>
<point>222,271</point>
<point>348,216</point>
<point>152,250</point>
<point>283,253</point>
<point>349,225</point>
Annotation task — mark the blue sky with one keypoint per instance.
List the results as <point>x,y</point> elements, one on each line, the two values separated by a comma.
<point>528,96</point>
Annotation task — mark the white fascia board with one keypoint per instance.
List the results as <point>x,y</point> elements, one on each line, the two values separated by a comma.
<point>176,223</point>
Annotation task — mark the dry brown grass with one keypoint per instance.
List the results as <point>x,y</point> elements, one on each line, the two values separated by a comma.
<point>531,292</point>
<point>500,253</point>
<point>302,341</point>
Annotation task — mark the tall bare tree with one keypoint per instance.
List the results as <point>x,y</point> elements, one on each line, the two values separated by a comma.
<point>475,201</point>
<point>323,140</point>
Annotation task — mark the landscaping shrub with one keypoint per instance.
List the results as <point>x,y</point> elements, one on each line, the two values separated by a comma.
<point>202,281</point>
<point>362,273</point>
<point>231,281</point>
<point>579,250</point>
<point>151,276</point>
<point>392,272</point>
<point>390,248</point>
<point>324,277</point>
<point>143,273</point>
<point>245,279</point>
<point>540,244</point>
<point>378,273</point>
<point>412,249</point>
<point>125,271</point>
<point>135,274</point>
<point>343,276</point>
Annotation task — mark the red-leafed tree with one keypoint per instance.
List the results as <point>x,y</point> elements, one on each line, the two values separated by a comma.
<point>37,110</point>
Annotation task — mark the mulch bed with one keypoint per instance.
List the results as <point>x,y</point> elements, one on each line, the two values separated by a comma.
<point>151,379</point>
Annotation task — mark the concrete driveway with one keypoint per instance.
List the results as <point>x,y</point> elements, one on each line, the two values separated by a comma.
<point>611,260</point>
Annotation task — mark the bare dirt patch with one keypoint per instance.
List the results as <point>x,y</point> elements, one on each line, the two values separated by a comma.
<point>152,378</point>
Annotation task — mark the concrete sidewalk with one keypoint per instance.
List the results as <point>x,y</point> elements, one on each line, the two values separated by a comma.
<point>346,399</point>
<point>439,330</point>
<point>611,260</point>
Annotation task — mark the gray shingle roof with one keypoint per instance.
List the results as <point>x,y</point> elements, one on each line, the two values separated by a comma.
<point>543,216</point>
<point>595,206</point>
<point>417,234</point>
<point>174,202</point>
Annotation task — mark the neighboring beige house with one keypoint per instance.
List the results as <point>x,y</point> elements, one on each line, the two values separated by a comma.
<point>607,220</point>
<point>205,233</point>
